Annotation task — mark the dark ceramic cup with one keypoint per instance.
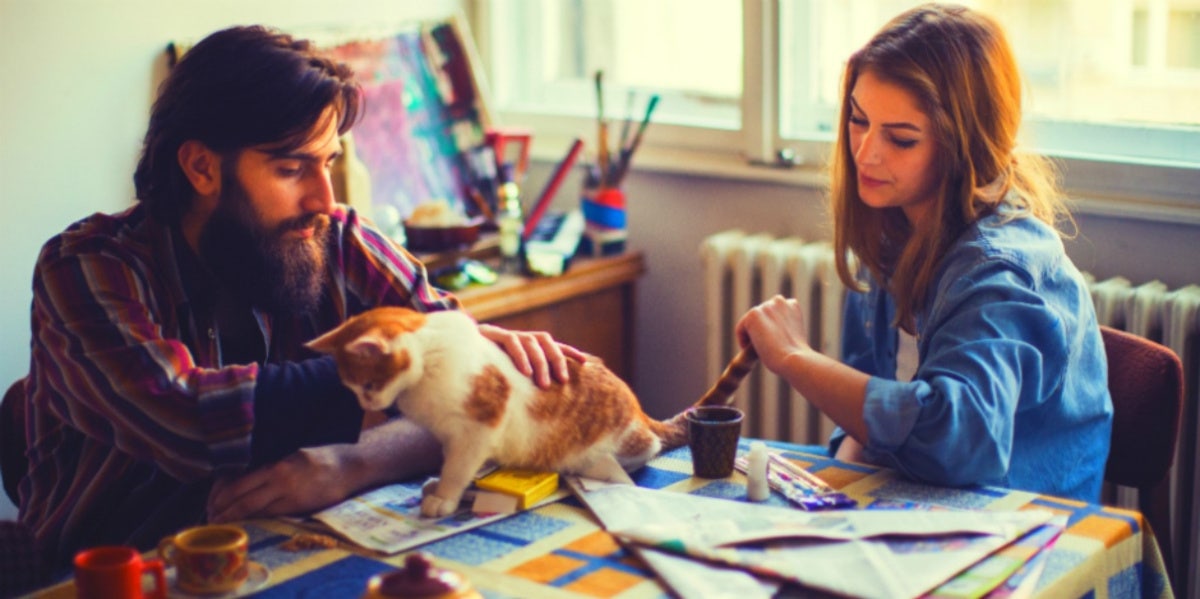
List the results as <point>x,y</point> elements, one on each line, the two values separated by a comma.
<point>713,433</point>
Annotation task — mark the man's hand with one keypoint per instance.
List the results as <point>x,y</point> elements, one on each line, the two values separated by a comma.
<point>318,477</point>
<point>306,481</point>
<point>535,354</point>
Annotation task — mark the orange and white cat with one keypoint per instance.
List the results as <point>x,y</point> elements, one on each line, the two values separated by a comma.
<point>447,377</point>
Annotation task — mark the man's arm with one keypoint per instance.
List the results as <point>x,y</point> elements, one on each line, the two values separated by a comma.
<point>315,478</point>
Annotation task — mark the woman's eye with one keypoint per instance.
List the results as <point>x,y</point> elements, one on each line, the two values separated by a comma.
<point>858,121</point>
<point>904,143</point>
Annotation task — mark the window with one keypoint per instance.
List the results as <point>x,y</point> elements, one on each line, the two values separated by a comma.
<point>1106,81</point>
<point>688,52</point>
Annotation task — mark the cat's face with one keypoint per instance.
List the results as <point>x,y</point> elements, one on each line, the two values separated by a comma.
<point>375,354</point>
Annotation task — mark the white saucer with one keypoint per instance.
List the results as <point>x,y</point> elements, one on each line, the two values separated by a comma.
<point>258,576</point>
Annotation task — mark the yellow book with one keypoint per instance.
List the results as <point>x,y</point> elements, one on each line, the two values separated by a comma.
<point>528,486</point>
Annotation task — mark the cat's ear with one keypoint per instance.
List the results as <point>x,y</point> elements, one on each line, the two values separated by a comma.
<point>367,346</point>
<point>325,344</point>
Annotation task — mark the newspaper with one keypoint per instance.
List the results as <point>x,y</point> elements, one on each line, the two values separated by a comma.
<point>1012,572</point>
<point>388,519</point>
<point>858,553</point>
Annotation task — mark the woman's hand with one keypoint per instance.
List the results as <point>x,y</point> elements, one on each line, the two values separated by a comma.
<point>850,451</point>
<point>776,329</point>
<point>535,354</point>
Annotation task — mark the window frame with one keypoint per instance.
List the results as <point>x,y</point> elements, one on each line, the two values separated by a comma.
<point>1155,189</point>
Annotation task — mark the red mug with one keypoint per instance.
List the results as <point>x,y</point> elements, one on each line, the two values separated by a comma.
<point>117,572</point>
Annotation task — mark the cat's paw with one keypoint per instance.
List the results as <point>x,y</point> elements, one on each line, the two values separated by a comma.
<point>429,487</point>
<point>433,506</point>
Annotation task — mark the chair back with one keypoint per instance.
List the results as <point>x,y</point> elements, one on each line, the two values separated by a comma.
<point>1145,380</point>
<point>13,463</point>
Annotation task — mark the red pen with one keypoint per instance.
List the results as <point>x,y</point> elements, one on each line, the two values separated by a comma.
<point>543,201</point>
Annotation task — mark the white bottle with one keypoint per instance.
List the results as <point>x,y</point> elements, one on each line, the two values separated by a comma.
<point>757,488</point>
<point>511,223</point>
<point>351,180</point>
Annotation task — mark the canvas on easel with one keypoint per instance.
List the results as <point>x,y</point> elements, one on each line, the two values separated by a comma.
<point>424,107</point>
<point>424,110</point>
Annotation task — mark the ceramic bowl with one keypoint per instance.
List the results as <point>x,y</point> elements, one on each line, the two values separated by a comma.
<point>442,239</point>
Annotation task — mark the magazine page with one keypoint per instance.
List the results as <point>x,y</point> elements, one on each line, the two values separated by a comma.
<point>388,519</point>
<point>891,553</point>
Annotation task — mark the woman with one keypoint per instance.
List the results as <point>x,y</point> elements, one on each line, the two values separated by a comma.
<point>971,352</point>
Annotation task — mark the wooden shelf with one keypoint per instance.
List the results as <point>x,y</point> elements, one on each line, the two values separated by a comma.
<point>590,306</point>
<point>513,294</point>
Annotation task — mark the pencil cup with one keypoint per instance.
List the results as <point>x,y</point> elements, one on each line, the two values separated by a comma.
<point>605,227</point>
<point>713,433</point>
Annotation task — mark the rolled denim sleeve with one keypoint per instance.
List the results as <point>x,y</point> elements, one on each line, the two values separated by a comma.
<point>982,356</point>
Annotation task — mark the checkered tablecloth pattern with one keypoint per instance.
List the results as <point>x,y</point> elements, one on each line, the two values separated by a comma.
<point>559,550</point>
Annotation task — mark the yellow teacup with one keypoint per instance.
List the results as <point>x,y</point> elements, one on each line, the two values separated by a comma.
<point>208,559</point>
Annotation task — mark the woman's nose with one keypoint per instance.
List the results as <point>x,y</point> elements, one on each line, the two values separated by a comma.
<point>868,149</point>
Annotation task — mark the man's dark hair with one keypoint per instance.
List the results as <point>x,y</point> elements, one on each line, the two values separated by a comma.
<point>239,87</point>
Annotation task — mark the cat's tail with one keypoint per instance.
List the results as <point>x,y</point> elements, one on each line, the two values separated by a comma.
<point>674,430</point>
<point>721,393</point>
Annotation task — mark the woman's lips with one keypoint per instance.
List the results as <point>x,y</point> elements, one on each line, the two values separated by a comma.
<point>865,181</point>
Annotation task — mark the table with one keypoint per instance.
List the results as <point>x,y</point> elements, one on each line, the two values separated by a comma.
<point>558,550</point>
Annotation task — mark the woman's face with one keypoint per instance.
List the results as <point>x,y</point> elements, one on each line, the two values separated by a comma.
<point>893,146</point>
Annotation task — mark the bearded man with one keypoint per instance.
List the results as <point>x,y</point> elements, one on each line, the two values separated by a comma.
<point>169,384</point>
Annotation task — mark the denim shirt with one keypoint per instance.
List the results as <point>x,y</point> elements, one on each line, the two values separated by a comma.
<point>1011,389</point>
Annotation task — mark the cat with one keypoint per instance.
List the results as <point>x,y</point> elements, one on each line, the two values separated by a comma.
<point>445,376</point>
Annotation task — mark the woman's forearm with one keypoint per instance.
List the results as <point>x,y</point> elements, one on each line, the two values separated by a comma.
<point>834,388</point>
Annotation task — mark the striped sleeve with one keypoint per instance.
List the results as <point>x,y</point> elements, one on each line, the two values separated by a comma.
<point>377,271</point>
<point>109,361</point>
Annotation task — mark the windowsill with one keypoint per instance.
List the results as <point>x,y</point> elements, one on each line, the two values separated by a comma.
<point>1154,193</point>
<point>728,165</point>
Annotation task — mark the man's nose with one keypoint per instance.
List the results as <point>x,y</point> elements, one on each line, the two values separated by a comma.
<point>319,198</point>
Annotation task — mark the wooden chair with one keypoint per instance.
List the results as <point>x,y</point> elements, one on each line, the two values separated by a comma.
<point>13,463</point>
<point>1146,383</point>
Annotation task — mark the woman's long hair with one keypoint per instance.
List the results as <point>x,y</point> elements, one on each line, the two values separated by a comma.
<point>959,67</point>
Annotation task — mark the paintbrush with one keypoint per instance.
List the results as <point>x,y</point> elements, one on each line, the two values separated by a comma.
<point>602,127</point>
<point>627,153</point>
<point>628,121</point>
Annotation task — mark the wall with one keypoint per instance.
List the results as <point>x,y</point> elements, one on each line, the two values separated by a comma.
<point>79,77</point>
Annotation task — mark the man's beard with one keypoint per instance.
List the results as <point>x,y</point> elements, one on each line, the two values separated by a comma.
<point>271,271</point>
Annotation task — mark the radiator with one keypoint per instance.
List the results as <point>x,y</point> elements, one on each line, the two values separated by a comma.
<point>741,270</point>
<point>1172,318</point>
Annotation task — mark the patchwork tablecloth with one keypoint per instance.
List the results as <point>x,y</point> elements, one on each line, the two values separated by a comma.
<point>559,550</point>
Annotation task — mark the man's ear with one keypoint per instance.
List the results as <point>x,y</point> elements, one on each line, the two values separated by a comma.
<point>202,167</point>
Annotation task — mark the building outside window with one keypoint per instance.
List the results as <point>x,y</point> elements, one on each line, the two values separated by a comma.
<point>1106,81</point>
